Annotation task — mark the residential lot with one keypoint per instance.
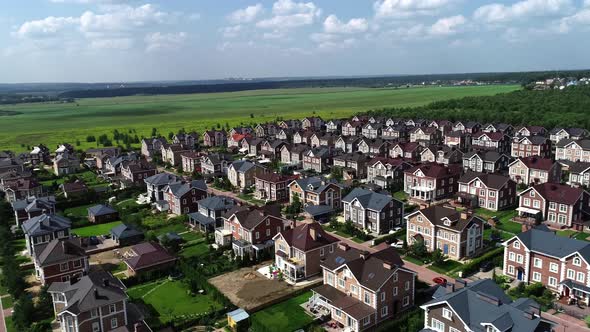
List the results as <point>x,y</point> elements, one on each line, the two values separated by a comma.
<point>284,316</point>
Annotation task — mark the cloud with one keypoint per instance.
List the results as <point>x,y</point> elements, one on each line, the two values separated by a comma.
<point>112,44</point>
<point>407,8</point>
<point>500,13</point>
<point>231,32</point>
<point>289,14</point>
<point>333,25</point>
<point>158,41</point>
<point>47,27</point>
<point>126,18</point>
<point>580,18</point>
<point>447,25</point>
<point>246,15</point>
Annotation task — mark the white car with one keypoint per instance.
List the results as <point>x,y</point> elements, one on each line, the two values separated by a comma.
<point>398,244</point>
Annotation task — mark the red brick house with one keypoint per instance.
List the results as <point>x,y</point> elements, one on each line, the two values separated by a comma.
<point>386,172</point>
<point>495,141</point>
<point>560,206</point>
<point>272,186</point>
<point>489,191</point>
<point>431,182</point>
<point>182,197</point>
<point>409,151</point>
<point>316,191</point>
<point>215,138</point>
<point>136,172</point>
<point>60,260</point>
<point>527,146</point>
<point>148,257</point>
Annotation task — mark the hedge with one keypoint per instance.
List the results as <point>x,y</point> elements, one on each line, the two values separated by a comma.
<point>473,265</point>
<point>389,237</point>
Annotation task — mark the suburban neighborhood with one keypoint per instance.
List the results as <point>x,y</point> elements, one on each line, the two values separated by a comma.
<point>309,224</point>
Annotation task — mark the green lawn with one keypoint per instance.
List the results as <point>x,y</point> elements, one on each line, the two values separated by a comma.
<point>78,211</point>
<point>504,235</point>
<point>510,226</point>
<point>88,177</point>
<point>7,302</point>
<point>99,229</point>
<point>447,266</point>
<point>195,249</point>
<point>285,316</point>
<point>401,195</point>
<point>191,236</point>
<point>413,260</point>
<point>9,326</point>
<point>54,123</point>
<point>342,234</point>
<point>582,236</point>
<point>170,299</point>
<point>171,228</point>
<point>574,234</point>
<point>505,218</point>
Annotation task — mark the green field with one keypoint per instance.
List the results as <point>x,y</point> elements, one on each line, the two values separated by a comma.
<point>95,230</point>
<point>285,316</point>
<point>53,123</point>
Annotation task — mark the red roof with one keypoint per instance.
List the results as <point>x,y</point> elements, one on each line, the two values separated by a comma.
<point>274,177</point>
<point>537,163</point>
<point>301,237</point>
<point>559,193</point>
<point>148,254</point>
<point>494,136</point>
<point>433,170</point>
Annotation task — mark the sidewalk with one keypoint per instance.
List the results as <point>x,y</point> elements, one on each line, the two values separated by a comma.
<point>566,323</point>
<point>2,315</point>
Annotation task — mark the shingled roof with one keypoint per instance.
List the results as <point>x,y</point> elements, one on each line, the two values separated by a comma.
<point>307,237</point>
<point>558,193</point>
<point>148,254</point>
<point>494,181</point>
<point>437,215</point>
<point>45,224</point>
<point>368,199</point>
<point>58,251</point>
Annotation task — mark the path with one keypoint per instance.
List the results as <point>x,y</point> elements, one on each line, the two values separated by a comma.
<point>2,315</point>
<point>153,289</point>
<point>566,323</point>
<point>229,194</point>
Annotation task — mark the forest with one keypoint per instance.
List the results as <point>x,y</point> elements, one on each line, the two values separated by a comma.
<point>550,108</point>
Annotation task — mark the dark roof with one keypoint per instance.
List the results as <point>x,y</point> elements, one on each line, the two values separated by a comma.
<point>579,167</point>
<point>537,162</point>
<point>275,177</point>
<point>368,199</point>
<point>45,224</point>
<point>558,193</point>
<point>74,186</point>
<point>216,203</point>
<point>101,210</point>
<point>494,181</point>
<point>547,242</point>
<point>354,156</point>
<point>301,237</point>
<point>178,189</point>
<point>584,143</point>
<point>59,251</point>
<point>350,305</point>
<point>494,136</point>
<point>438,214</point>
<point>161,179</point>
<point>148,254</point>
<point>434,170</point>
<point>34,204</point>
<point>243,165</point>
<point>535,140</point>
<point>488,155</point>
<point>125,231</point>
<point>249,217</point>
<point>318,210</point>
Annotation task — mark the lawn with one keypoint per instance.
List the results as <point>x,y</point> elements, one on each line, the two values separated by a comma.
<point>87,176</point>
<point>401,195</point>
<point>505,218</point>
<point>170,299</point>
<point>510,226</point>
<point>99,229</point>
<point>78,211</point>
<point>54,123</point>
<point>573,234</point>
<point>195,249</point>
<point>9,326</point>
<point>170,228</point>
<point>413,260</point>
<point>7,302</point>
<point>285,316</point>
<point>445,267</point>
<point>504,235</point>
<point>191,236</point>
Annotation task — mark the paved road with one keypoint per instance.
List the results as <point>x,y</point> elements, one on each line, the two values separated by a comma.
<point>3,323</point>
<point>566,323</point>
<point>230,194</point>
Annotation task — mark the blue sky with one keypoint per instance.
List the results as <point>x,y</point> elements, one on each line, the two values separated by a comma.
<point>130,40</point>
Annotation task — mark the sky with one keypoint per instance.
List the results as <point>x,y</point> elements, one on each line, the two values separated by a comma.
<point>154,40</point>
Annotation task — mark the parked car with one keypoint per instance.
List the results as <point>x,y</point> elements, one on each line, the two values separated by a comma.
<point>397,243</point>
<point>439,280</point>
<point>486,266</point>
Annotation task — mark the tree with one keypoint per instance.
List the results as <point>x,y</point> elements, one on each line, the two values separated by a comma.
<point>24,310</point>
<point>438,257</point>
<point>251,115</point>
<point>154,132</point>
<point>336,173</point>
<point>418,249</point>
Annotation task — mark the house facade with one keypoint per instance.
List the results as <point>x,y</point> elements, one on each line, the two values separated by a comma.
<point>527,146</point>
<point>490,191</point>
<point>182,197</point>
<point>431,182</point>
<point>374,212</point>
<point>534,170</point>
<point>60,260</point>
<point>272,187</point>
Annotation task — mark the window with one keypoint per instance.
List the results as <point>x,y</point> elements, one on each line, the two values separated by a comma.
<point>552,281</point>
<point>406,301</point>
<point>577,261</point>
<point>395,276</point>
<point>553,267</point>
<point>384,311</point>
<point>367,298</point>
<point>552,206</point>
<point>562,208</point>
<point>536,204</point>
<point>437,325</point>
<point>341,283</point>
<point>338,313</point>
<point>367,320</point>
<point>538,262</point>
<point>519,259</point>
<point>96,327</point>
<point>114,323</point>
<point>394,291</point>
<point>407,285</point>
<point>353,289</point>
<point>321,251</point>
<point>448,314</point>
<point>64,266</point>
<point>511,270</point>
<point>267,232</point>
<point>580,277</point>
<point>571,274</point>
<point>382,296</point>
<point>536,276</point>
<point>511,256</point>
<point>93,313</point>
<point>112,308</point>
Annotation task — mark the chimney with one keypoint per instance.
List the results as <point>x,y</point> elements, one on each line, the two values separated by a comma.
<point>365,255</point>
<point>343,246</point>
<point>460,284</point>
<point>313,233</point>
<point>450,287</point>
<point>464,215</point>
<point>489,298</point>
<point>387,266</point>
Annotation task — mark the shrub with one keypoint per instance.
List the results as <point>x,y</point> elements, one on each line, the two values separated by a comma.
<point>474,264</point>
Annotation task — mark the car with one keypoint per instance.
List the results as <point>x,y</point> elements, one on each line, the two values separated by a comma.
<point>486,266</point>
<point>397,243</point>
<point>439,280</point>
<point>397,229</point>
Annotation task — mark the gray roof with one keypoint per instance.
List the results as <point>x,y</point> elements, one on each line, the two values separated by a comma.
<point>216,203</point>
<point>45,224</point>
<point>201,218</point>
<point>318,210</point>
<point>34,204</point>
<point>178,189</point>
<point>59,251</point>
<point>547,242</point>
<point>161,179</point>
<point>484,155</point>
<point>584,143</point>
<point>472,306</point>
<point>101,210</point>
<point>125,231</point>
<point>242,166</point>
<point>368,199</point>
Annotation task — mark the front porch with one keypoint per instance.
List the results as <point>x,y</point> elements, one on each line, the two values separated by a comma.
<point>573,293</point>
<point>424,194</point>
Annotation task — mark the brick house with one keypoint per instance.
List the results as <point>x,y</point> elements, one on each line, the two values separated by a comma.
<point>290,124</point>
<point>135,172</point>
<point>313,123</point>
<point>317,159</point>
<point>457,234</point>
<point>316,191</point>
<point>352,128</point>
<point>271,149</point>
<point>431,182</point>
<point>468,127</point>
<point>374,212</point>
<point>481,306</point>
<point>190,161</point>
<point>395,132</point>
<point>215,138</point>
<point>559,205</point>
<point>425,136</point>
<point>334,126</point>
<point>189,140</point>
<point>284,134</point>
<point>558,262</point>
<point>148,257</point>
<point>45,228</point>
<point>489,191</point>
<point>102,213</point>
<point>457,139</point>
<point>300,250</point>
<point>32,206</point>
<point>408,151</point>
<point>252,145</point>
<point>272,187</point>
<point>353,165</point>
<point>171,153</point>
<point>372,130</point>
<point>60,260</point>
<point>558,134</point>
<point>182,197</point>
<point>293,154</point>
<point>347,144</point>
<point>250,230</point>
<point>215,163</point>
<point>21,188</point>
<point>534,170</point>
<point>570,150</point>
<point>530,131</point>
<point>361,290</point>
<point>492,141</point>
<point>503,128</point>
<point>241,173</point>
<point>151,147</point>
<point>579,174</point>
<point>526,146</point>
<point>303,137</point>
<point>485,161</point>
<point>386,172</point>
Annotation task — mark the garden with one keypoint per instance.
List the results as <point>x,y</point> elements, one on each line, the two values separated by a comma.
<point>96,230</point>
<point>284,316</point>
<point>349,231</point>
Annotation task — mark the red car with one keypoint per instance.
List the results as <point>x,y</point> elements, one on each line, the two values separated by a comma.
<point>439,280</point>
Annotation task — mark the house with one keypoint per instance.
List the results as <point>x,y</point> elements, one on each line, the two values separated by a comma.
<point>271,149</point>
<point>559,205</point>
<point>316,191</point>
<point>213,138</point>
<point>526,146</point>
<point>386,172</point>
<point>210,211</point>
<point>265,129</point>
<point>40,154</point>
<point>238,320</point>
<point>395,133</point>
<point>431,182</point>
<point>95,302</point>
<point>377,147</point>
<point>456,234</point>
<point>447,155</point>
<point>374,212</point>
<point>425,136</point>
<point>534,170</point>
<point>113,166</point>
<point>361,290</point>
<point>135,172</point>
<point>66,164</point>
<point>293,154</point>
<point>317,159</point>
<point>74,189</point>
<point>353,165</point>
<point>60,260</point>
<point>125,235</point>
<point>468,127</point>
<point>347,144</point>
<point>252,146</point>
<point>241,173</point>
<point>235,140</point>
<point>190,140</point>
<point>289,124</point>
<point>481,306</point>
<point>352,128</point>
<point>156,185</point>
<point>457,139</point>
<point>21,188</point>
<point>250,230</point>
<point>148,257</point>
<point>182,197</point>
<point>529,131</point>
<point>102,213</point>
<point>32,206</point>
<point>300,250</point>
<point>490,191</point>
<point>45,228</point>
<point>64,149</point>
<point>272,186</point>
<point>10,164</point>
<point>303,137</point>
<point>408,151</point>
<point>334,126</point>
<point>570,150</point>
<point>151,147</point>
<point>485,161</point>
<point>492,141</point>
<point>558,262</point>
<point>312,123</point>
<point>284,134</point>
<point>503,128</point>
<point>372,130</point>
<point>215,164</point>
<point>579,174</point>
<point>171,153</point>
<point>558,134</point>
<point>191,161</point>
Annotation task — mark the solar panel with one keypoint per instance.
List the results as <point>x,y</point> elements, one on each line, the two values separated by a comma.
<point>340,260</point>
<point>371,275</point>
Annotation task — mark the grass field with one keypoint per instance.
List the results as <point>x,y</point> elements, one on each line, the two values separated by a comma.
<point>53,123</point>
<point>285,316</point>
<point>100,229</point>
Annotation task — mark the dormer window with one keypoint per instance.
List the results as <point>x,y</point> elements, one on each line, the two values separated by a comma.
<point>577,261</point>
<point>448,314</point>
<point>516,245</point>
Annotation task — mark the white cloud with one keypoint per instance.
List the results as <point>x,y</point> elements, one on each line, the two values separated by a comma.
<point>331,45</point>
<point>333,25</point>
<point>231,32</point>
<point>578,19</point>
<point>47,27</point>
<point>277,34</point>
<point>245,15</point>
<point>407,8</point>
<point>124,19</point>
<point>112,44</point>
<point>158,41</point>
<point>289,14</point>
<point>499,13</point>
<point>447,25</point>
